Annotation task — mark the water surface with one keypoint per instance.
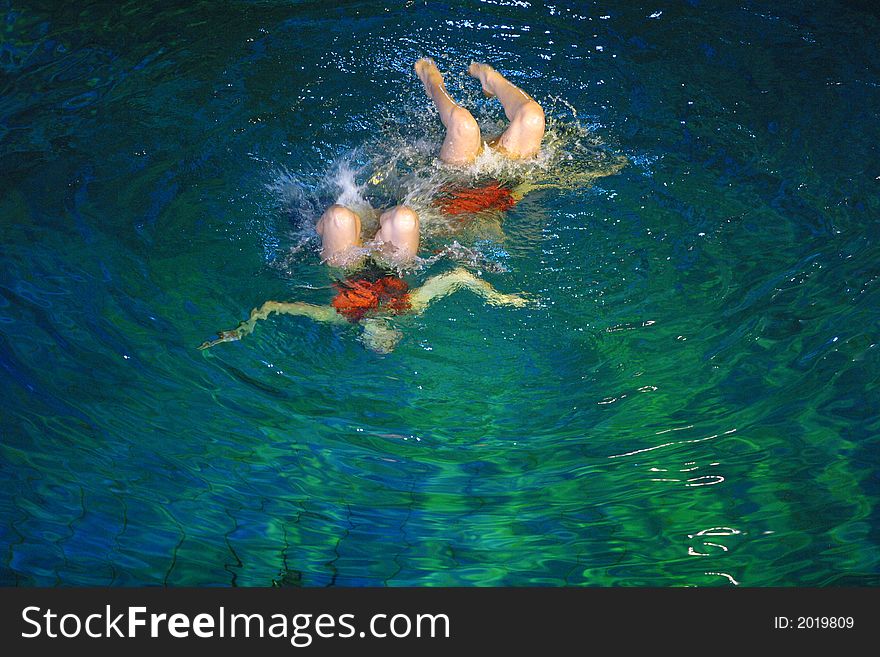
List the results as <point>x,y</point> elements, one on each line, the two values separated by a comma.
<point>692,402</point>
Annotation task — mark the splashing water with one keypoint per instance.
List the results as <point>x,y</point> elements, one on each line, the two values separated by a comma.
<point>399,166</point>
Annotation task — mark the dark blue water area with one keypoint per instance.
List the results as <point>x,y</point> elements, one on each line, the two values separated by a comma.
<point>692,402</point>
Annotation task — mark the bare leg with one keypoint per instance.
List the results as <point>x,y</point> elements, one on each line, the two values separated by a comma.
<point>399,227</point>
<point>439,286</point>
<point>522,139</point>
<point>463,141</point>
<point>340,229</point>
<point>318,313</point>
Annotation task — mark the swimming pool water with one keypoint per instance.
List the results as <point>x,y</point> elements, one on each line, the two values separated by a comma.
<point>693,400</point>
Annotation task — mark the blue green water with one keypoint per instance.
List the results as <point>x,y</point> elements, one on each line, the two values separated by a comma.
<point>693,400</point>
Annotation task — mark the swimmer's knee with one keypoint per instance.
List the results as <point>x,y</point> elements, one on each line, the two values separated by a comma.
<point>402,218</point>
<point>463,123</point>
<point>531,115</point>
<point>399,227</point>
<point>463,140</point>
<point>338,217</point>
<point>340,213</point>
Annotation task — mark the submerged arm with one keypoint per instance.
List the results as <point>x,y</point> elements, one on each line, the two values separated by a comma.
<point>570,180</point>
<point>318,313</point>
<point>439,286</point>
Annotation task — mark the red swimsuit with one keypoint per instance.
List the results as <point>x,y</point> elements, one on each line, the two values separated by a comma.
<point>470,200</point>
<point>357,296</point>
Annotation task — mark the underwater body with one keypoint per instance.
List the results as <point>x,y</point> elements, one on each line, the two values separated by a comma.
<point>690,400</point>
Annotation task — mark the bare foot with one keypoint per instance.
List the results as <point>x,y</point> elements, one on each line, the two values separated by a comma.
<point>482,72</point>
<point>428,73</point>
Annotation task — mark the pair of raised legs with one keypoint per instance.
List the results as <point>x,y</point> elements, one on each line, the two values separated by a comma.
<point>463,141</point>
<point>340,231</point>
<point>340,227</point>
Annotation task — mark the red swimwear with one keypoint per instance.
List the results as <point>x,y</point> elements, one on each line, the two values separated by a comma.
<point>488,196</point>
<point>357,296</point>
